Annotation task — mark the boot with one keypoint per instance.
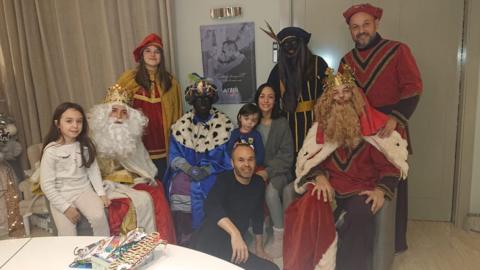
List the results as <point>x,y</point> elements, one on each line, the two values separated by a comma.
<point>275,247</point>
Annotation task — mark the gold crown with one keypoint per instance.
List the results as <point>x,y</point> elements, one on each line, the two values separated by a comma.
<point>116,93</point>
<point>345,78</point>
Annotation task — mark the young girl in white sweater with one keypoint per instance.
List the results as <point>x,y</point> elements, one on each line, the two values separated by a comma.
<point>68,171</point>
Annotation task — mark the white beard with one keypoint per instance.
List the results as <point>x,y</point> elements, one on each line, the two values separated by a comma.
<point>116,140</point>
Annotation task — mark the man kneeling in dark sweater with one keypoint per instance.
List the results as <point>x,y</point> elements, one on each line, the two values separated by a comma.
<point>236,198</point>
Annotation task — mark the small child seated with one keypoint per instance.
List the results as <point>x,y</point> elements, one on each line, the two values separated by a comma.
<point>69,173</point>
<point>248,117</point>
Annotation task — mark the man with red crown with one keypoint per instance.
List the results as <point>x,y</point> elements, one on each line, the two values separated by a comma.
<point>343,161</point>
<point>387,72</point>
<point>127,170</point>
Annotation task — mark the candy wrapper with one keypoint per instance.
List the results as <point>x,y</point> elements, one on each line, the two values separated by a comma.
<point>118,252</point>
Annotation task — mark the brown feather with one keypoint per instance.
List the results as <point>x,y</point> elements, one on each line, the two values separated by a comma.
<point>270,32</point>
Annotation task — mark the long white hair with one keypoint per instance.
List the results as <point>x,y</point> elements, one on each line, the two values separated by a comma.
<point>113,138</point>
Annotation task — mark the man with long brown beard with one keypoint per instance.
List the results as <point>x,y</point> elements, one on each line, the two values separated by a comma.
<point>343,161</point>
<point>127,170</point>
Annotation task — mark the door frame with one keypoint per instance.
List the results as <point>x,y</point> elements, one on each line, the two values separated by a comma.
<point>467,110</point>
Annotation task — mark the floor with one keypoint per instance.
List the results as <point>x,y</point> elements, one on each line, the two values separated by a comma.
<point>439,246</point>
<point>432,246</point>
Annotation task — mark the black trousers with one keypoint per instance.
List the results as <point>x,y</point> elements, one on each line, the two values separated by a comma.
<point>355,244</point>
<point>401,216</point>
<point>161,165</point>
<point>213,240</point>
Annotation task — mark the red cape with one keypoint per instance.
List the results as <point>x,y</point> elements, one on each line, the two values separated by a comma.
<point>163,218</point>
<point>309,232</point>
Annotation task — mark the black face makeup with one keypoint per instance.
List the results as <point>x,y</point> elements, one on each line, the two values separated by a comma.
<point>290,46</point>
<point>202,106</point>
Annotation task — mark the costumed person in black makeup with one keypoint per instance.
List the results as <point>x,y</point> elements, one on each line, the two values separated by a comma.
<point>197,154</point>
<point>298,77</point>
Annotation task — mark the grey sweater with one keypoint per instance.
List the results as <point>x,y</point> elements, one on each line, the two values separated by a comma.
<point>279,155</point>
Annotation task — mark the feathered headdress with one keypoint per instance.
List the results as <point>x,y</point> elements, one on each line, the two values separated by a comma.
<point>200,86</point>
<point>270,32</point>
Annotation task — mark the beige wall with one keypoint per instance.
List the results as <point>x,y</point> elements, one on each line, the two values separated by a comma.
<point>475,187</point>
<point>190,14</point>
<point>472,80</point>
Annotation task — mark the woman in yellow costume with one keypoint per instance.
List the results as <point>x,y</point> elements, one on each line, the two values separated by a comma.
<point>156,94</point>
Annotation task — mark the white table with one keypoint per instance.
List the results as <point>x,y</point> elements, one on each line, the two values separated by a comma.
<point>57,253</point>
<point>8,248</point>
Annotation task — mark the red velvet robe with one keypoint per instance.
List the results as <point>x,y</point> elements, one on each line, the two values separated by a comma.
<point>151,106</point>
<point>309,224</point>
<point>364,169</point>
<point>386,70</point>
<point>163,218</point>
<point>309,231</point>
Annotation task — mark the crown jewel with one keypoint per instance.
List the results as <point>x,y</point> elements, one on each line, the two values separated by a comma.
<point>116,93</point>
<point>202,88</point>
<point>345,78</point>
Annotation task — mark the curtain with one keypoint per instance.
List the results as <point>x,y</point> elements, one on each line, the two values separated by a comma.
<point>57,50</point>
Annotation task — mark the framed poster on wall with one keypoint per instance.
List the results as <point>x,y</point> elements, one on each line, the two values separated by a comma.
<point>228,57</point>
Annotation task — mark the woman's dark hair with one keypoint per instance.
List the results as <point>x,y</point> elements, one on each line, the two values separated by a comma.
<point>246,110</point>
<point>276,113</point>
<point>164,77</point>
<point>54,133</point>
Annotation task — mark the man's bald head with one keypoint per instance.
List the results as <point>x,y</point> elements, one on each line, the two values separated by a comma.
<point>244,147</point>
<point>243,161</point>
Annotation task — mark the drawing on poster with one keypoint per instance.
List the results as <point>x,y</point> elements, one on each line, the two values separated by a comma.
<point>228,55</point>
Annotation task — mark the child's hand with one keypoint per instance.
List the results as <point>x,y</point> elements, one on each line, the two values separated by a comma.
<point>106,201</point>
<point>263,174</point>
<point>72,214</point>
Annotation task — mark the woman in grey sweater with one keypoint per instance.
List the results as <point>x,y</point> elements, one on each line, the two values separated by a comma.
<point>279,156</point>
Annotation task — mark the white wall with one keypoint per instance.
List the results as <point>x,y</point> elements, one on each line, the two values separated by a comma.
<point>190,14</point>
<point>475,187</point>
<point>473,62</point>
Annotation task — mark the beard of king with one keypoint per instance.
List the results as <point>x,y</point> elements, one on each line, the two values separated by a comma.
<point>340,121</point>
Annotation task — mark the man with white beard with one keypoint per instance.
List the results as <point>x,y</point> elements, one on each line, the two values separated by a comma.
<point>127,170</point>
